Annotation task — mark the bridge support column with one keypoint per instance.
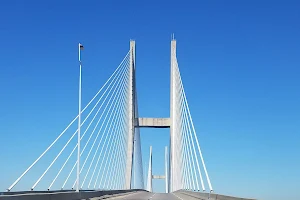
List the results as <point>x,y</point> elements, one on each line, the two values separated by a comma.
<point>175,178</point>
<point>131,116</point>
<point>172,117</point>
<point>150,174</point>
<point>149,178</point>
<point>166,169</point>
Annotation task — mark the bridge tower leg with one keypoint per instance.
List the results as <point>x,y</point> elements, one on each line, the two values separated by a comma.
<point>175,136</point>
<point>131,116</point>
<point>166,170</point>
<point>172,117</point>
<point>149,179</point>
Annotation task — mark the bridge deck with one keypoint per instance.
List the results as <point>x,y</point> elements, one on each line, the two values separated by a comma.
<point>146,196</point>
<point>114,194</point>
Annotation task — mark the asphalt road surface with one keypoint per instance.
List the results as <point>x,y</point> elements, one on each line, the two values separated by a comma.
<point>147,196</point>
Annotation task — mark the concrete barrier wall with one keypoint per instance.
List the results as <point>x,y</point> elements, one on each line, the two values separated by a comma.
<point>63,195</point>
<point>189,195</point>
<point>36,191</point>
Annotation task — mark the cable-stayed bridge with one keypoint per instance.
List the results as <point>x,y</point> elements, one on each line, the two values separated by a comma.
<point>98,154</point>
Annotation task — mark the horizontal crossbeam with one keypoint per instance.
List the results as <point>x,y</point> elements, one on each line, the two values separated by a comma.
<point>158,176</point>
<point>152,122</point>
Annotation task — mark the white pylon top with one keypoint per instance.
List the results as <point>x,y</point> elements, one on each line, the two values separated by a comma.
<point>173,36</point>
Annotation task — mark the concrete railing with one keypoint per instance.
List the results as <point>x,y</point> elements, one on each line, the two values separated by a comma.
<point>63,195</point>
<point>189,195</point>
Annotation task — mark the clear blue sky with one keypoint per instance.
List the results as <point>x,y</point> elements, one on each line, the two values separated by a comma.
<point>240,66</point>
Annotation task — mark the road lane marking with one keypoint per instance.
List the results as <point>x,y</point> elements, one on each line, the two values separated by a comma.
<point>177,196</point>
<point>152,196</point>
<point>123,196</point>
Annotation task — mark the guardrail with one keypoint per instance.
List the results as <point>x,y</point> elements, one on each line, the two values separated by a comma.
<point>63,195</point>
<point>189,195</point>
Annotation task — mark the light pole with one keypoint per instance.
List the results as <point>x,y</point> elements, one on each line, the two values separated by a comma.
<point>80,47</point>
